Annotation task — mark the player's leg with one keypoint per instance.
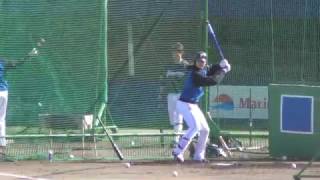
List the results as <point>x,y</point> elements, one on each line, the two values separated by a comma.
<point>3,109</point>
<point>200,148</point>
<point>189,117</point>
<point>171,106</point>
<point>175,118</point>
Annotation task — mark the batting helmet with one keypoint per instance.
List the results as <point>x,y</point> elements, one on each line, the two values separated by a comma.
<point>200,55</point>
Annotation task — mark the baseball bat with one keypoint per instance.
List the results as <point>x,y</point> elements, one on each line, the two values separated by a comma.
<point>213,123</point>
<point>225,146</point>
<point>215,39</point>
<point>114,145</point>
<point>209,116</point>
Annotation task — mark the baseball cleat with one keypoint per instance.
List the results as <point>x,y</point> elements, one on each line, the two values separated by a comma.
<point>179,158</point>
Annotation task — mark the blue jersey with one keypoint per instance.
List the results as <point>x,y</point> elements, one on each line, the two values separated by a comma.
<point>3,82</point>
<point>196,79</point>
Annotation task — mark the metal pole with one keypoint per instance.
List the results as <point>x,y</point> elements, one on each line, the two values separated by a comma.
<point>106,50</point>
<point>205,47</point>
<point>272,42</point>
<point>303,59</point>
<point>205,27</point>
<point>250,117</point>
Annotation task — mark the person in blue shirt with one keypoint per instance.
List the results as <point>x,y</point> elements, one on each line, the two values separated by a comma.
<point>187,106</point>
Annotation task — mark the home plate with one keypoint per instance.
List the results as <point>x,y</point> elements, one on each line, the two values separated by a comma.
<point>223,165</point>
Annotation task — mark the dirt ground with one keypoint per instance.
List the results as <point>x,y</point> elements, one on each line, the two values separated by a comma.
<point>147,170</point>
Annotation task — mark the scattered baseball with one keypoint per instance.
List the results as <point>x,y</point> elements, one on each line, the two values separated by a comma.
<point>284,158</point>
<point>132,143</point>
<point>39,104</point>
<point>175,173</point>
<point>127,165</point>
<point>293,165</point>
<point>71,156</point>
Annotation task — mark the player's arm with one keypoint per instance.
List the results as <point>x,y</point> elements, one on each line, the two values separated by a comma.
<point>218,71</point>
<point>214,75</point>
<point>213,69</point>
<point>201,80</point>
<point>11,64</point>
<point>222,66</point>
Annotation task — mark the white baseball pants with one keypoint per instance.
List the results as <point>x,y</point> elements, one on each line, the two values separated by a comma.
<point>176,119</point>
<point>196,123</point>
<point>3,110</point>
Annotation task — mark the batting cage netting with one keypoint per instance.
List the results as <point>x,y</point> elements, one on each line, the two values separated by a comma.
<point>97,68</point>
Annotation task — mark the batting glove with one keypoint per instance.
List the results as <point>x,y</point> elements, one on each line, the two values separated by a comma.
<point>224,64</point>
<point>33,52</point>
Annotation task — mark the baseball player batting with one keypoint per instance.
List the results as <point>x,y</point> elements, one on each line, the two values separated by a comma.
<point>187,106</point>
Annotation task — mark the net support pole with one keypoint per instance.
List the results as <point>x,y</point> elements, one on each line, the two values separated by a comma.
<point>205,27</point>
<point>106,92</point>
<point>105,57</point>
<point>272,42</point>
<point>106,50</point>
<point>103,105</point>
<point>205,48</point>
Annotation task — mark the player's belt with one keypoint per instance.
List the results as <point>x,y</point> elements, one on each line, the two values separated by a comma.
<point>187,101</point>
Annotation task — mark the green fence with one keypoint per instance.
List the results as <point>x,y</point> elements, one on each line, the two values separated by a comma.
<point>68,75</point>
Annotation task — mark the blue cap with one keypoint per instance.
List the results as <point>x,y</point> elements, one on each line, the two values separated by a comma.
<point>200,55</point>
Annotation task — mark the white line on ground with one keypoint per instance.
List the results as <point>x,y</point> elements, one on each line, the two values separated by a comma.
<point>20,176</point>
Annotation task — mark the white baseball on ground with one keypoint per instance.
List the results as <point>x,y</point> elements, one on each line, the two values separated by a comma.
<point>71,156</point>
<point>293,165</point>
<point>175,173</point>
<point>128,165</point>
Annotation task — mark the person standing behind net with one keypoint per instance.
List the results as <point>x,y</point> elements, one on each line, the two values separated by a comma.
<point>175,74</point>
<point>4,66</point>
<point>187,105</point>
